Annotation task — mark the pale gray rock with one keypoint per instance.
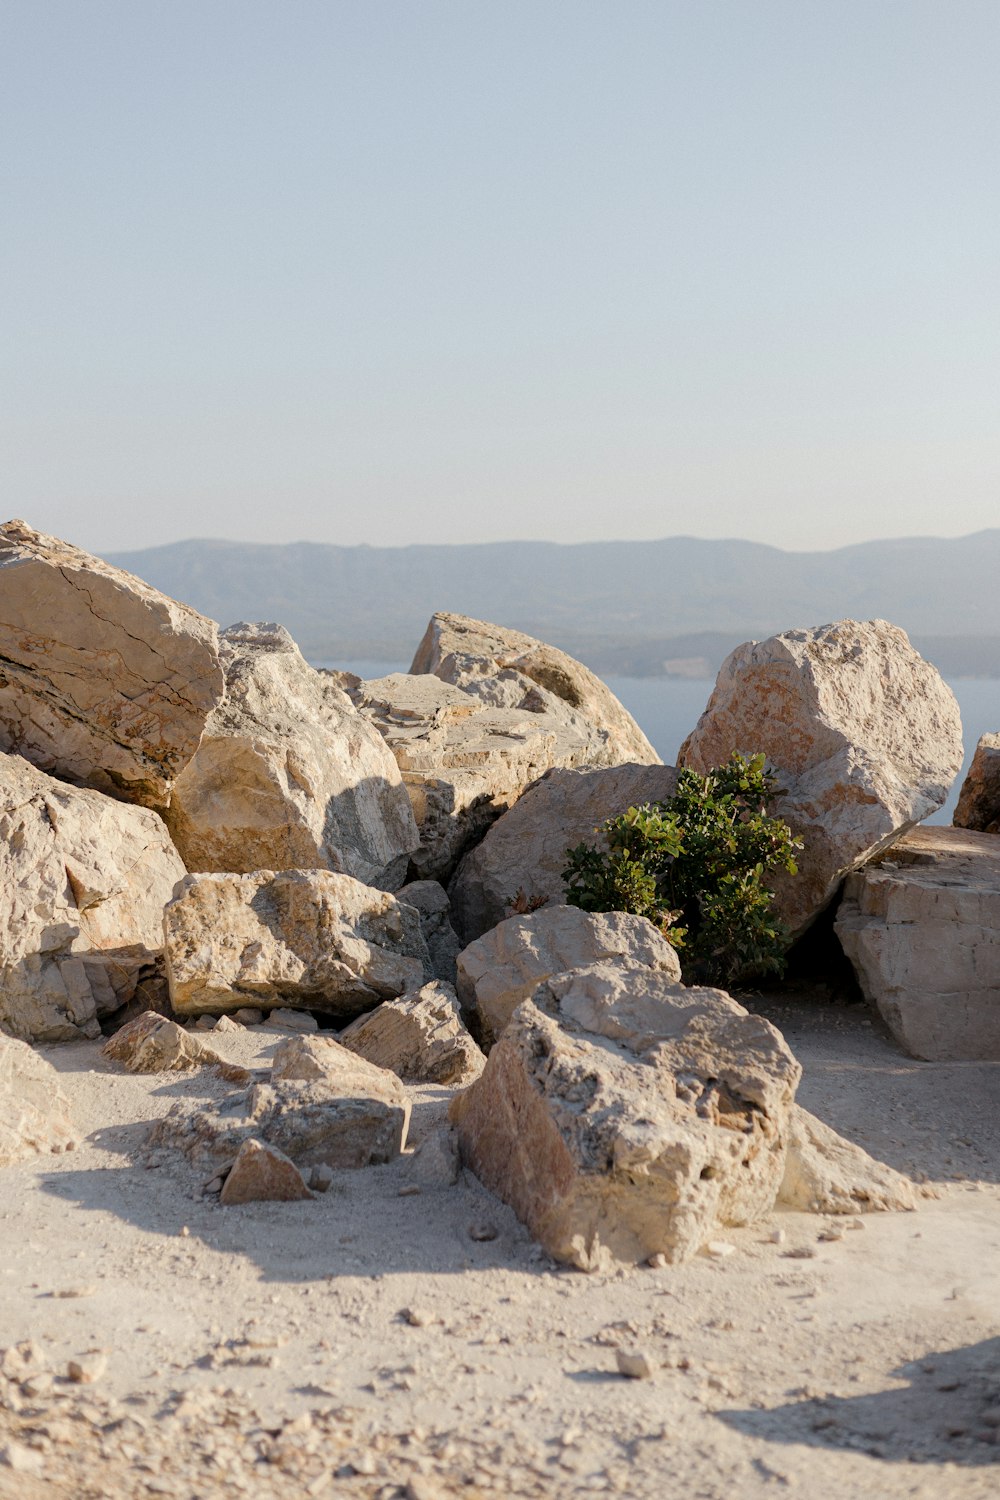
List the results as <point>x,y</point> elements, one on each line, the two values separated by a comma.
<point>431,900</point>
<point>104,681</point>
<point>824,1173</point>
<point>524,853</point>
<point>863,735</point>
<point>306,938</point>
<point>83,882</point>
<point>505,965</point>
<point>979,800</point>
<point>263,1174</point>
<point>623,1116</point>
<point>34,1111</point>
<point>921,926</point>
<point>288,774</point>
<point>420,1036</point>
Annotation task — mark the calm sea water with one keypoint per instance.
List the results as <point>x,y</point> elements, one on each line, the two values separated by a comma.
<point>667,710</point>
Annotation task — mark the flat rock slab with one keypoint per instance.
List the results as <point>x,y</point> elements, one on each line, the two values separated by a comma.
<point>306,938</point>
<point>34,1111</point>
<point>863,735</point>
<point>623,1116</point>
<point>921,926</point>
<point>263,1174</point>
<point>421,1037</point>
<point>504,966</point>
<point>105,681</point>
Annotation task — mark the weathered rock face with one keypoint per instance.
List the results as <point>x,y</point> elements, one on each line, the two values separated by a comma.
<point>510,669</point>
<point>104,681</point>
<point>922,928</point>
<point>320,1059</point>
<point>431,900</point>
<point>153,1044</point>
<point>288,775</point>
<point>824,1173</point>
<point>34,1111</point>
<point>263,1174</point>
<point>306,938</point>
<point>623,1116</point>
<point>525,850</point>
<point>421,1037</point>
<point>979,801</point>
<point>505,965</point>
<point>83,882</point>
<point>864,737</point>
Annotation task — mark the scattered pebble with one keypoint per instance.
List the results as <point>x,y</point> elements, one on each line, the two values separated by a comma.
<point>483,1231</point>
<point>21,1459</point>
<point>409,1190</point>
<point>719,1249</point>
<point>634,1364</point>
<point>658,1261</point>
<point>87,1369</point>
<point>417,1317</point>
<point>777,1236</point>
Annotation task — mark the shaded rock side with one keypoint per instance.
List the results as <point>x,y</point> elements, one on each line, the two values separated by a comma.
<point>104,681</point>
<point>979,800</point>
<point>34,1111</point>
<point>288,775</point>
<point>826,1174</point>
<point>154,1044</point>
<point>306,938</point>
<point>525,850</point>
<point>622,1116</point>
<point>863,734</point>
<point>421,1037</point>
<point>431,900</point>
<point>512,670</point>
<point>83,883</point>
<point>263,1174</point>
<point>505,965</point>
<point>921,926</point>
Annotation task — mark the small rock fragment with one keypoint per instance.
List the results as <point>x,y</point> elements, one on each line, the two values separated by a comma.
<point>20,1458</point>
<point>320,1177</point>
<point>719,1249</point>
<point>417,1317</point>
<point>634,1364</point>
<point>483,1231</point>
<point>262,1173</point>
<point>87,1369</point>
<point>248,1016</point>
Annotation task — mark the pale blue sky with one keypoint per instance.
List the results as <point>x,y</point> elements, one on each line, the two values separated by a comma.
<point>446,270</point>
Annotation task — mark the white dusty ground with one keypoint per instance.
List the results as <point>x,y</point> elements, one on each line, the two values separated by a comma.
<point>261,1350</point>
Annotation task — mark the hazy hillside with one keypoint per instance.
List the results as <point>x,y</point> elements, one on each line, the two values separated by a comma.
<point>621,606</point>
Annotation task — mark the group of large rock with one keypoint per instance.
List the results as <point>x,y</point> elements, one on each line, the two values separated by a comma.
<point>196,822</point>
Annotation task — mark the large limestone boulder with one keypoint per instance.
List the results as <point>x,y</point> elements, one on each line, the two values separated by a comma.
<point>979,800</point>
<point>83,883</point>
<point>863,734</point>
<point>505,965</point>
<point>524,853</point>
<point>421,1037</point>
<point>288,775</point>
<point>34,1111</point>
<point>104,681</point>
<point>921,925</point>
<point>306,938</point>
<point>623,1116</point>
<point>512,670</point>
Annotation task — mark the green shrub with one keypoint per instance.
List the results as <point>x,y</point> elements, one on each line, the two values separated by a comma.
<point>696,866</point>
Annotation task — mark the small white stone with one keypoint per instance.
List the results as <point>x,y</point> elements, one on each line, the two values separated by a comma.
<point>777,1236</point>
<point>634,1364</point>
<point>719,1249</point>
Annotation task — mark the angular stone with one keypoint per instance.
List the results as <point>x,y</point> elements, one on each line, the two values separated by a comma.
<point>263,1174</point>
<point>83,882</point>
<point>104,681</point>
<point>288,775</point>
<point>511,669</point>
<point>524,853</point>
<point>979,800</point>
<point>420,1037</point>
<point>863,735</point>
<point>623,1116</point>
<point>321,1059</point>
<point>431,900</point>
<point>921,926</point>
<point>34,1111</point>
<point>309,938</point>
<point>826,1174</point>
<point>504,966</point>
<point>152,1044</point>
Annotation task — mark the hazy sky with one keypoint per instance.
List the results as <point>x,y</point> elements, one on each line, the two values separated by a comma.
<point>453,270</point>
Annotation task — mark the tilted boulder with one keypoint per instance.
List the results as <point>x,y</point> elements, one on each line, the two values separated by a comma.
<point>921,926</point>
<point>826,1174</point>
<point>623,1116</point>
<point>306,938</point>
<point>431,900</point>
<point>83,883</point>
<point>505,965</point>
<point>34,1111</point>
<point>512,670</point>
<point>288,775</point>
<point>979,800</point>
<point>104,681</point>
<point>153,1044</point>
<point>519,864</point>
<point>420,1036</point>
<point>863,735</point>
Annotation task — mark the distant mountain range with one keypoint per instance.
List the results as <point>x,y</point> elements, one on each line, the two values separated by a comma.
<point>670,607</point>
